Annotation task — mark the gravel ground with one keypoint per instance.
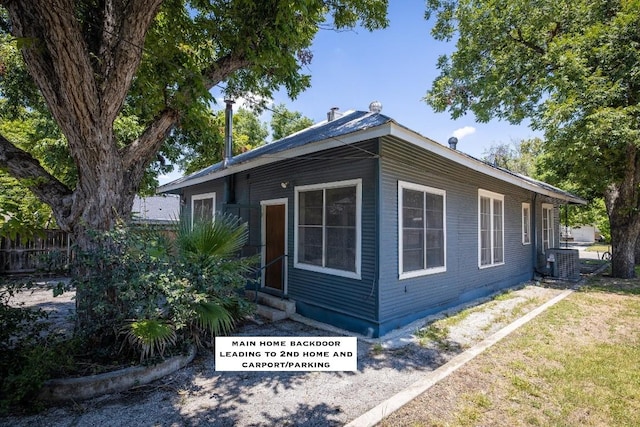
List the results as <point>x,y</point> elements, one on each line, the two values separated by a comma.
<point>199,395</point>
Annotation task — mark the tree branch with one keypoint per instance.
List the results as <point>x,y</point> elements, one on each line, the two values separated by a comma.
<point>46,187</point>
<point>84,82</point>
<point>223,68</point>
<point>58,62</point>
<point>148,144</point>
<point>534,47</point>
<point>125,26</point>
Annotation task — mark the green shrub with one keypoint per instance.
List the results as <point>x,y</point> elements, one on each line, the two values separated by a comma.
<point>152,294</point>
<point>147,296</point>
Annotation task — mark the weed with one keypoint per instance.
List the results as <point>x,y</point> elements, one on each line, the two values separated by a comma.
<point>504,296</point>
<point>436,334</point>
<point>480,400</point>
<point>377,348</point>
<point>523,385</point>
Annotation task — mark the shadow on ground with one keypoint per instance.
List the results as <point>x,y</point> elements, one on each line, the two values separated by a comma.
<point>199,395</point>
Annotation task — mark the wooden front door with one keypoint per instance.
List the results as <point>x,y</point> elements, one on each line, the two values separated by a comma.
<point>274,242</point>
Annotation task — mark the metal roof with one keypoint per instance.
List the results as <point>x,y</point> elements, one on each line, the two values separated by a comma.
<point>351,121</point>
<point>352,127</point>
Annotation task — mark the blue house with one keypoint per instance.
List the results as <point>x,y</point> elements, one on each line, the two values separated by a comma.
<point>368,225</point>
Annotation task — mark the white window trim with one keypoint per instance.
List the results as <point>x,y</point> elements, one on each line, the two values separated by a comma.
<point>492,196</point>
<point>550,208</point>
<point>422,188</point>
<point>203,196</point>
<point>526,224</point>
<point>324,186</point>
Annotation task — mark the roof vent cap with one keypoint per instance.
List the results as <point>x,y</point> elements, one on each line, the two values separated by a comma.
<point>333,114</point>
<point>375,107</point>
<point>453,142</point>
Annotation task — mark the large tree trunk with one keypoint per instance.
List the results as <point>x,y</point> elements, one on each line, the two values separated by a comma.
<point>85,96</point>
<point>623,207</point>
<point>84,68</point>
<point>98,205</point>
<point>623,243</point>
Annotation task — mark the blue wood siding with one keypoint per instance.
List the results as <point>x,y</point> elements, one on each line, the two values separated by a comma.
<point>345,302</point>
<point>325,296</point>
<point>404,300</point>
<point>380,301</point>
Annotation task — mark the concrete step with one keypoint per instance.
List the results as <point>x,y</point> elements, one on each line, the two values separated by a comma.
<point>286,305</point>
<point>270,313</point>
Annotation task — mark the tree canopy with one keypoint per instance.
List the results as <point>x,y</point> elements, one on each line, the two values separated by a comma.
<point>528,158</point>
<point>285,122</point>
<point>516,156</point>
<point>572,68</point>
<point>118,76</point>
<point>206,146</point>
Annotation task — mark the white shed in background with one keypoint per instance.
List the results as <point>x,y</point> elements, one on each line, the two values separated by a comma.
<point>156,209</point>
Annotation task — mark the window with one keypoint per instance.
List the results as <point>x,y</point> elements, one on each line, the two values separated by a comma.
<point>327,237</point>
<point>490,228</point>
<point>526,224</point>
<point>421,230</point>
<point>203,207</point>
<point>547,226</point>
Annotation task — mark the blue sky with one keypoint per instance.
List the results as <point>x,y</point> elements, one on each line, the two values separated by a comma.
<point>396,67</point>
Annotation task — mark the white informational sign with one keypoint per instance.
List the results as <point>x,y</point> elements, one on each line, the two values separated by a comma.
<point>286,354</point>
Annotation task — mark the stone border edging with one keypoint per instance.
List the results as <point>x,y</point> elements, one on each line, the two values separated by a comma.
<point>386,408</point>
<point>82,388</point>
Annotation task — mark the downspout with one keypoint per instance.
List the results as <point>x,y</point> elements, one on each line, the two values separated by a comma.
<point>375,286</point>
<point>534,235</point>
<point>229,182</point>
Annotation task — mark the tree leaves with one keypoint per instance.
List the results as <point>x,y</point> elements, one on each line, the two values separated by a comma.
<point>119,80</point>
<point>285,122</point>
<point>571,67</point>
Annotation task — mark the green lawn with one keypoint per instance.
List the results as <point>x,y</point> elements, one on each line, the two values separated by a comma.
<point>599,247</point>
<point>575,364</point>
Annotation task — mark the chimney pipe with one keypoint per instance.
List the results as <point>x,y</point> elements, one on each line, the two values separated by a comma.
<point>333,114</point>
<point>453,142</point>
<point>228,132</point>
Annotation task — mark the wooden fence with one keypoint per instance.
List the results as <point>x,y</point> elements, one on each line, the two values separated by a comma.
<point>49,252</point>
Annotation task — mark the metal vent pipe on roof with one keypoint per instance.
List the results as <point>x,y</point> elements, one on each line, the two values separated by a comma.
<point>228,132</point>
<point>333,114</point>
<point>453,142</point>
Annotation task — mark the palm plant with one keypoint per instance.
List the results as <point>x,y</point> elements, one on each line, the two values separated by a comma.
<point>211,248</point>
<point>211,241</point>
<point>149,336</point>
<point>186,290</point>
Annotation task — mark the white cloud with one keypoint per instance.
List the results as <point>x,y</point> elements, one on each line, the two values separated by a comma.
<point>463,131</point>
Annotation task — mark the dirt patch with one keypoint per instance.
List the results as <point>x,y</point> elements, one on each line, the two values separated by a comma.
<point>60,310</point>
